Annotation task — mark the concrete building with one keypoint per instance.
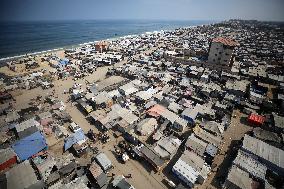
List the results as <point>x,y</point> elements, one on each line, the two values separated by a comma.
<point>221,51</point>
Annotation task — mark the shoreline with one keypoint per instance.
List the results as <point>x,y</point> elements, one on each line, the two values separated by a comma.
<point>10,58</point>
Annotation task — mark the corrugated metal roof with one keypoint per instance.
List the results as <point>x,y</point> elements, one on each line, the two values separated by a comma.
<point>44,115</point>
<point>278,120</point>
<point>128,88</point>
<point>170,144</point>
<point>196,144</point>
<point>102,97</point>
<point>264,150</point>
<point>251,165</point>
<point>187,172</point>
<point>26,124</point>
<point>206,136</point>
<point>213,127</point>
<point>98,114</point>
<point>156,110</point>
<point>167,114</point>
<point>239,178</point>
<point>44,164</point>
<point>193,160</point>
<point>104,161</point>
<point>174,107</point>
<point>146,95</point>
<point>151,155</point>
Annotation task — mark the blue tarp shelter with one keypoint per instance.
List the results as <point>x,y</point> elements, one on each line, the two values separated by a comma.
<point>73,139</point>
<point>29,146</point>
<point>63,62</point>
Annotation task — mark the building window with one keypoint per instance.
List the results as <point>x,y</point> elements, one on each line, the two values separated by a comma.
<point>213,60</point>
<point>220,52</point>
<point>215,54</point>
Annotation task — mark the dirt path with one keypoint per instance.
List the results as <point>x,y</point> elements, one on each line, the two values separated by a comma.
<point>227,153</point>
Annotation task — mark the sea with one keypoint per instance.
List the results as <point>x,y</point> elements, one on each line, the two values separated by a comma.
<point>19,38</point>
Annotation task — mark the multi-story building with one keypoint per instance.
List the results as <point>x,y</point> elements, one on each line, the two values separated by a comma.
<point>221,51</point>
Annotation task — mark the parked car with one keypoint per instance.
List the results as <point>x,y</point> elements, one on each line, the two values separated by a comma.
<point>74,127</point>
<point>170,183</point>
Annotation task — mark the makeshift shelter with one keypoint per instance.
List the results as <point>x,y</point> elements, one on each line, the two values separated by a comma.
<point>156,110</point>
<point>7,158</point>
<point>104,162</point>
<point>271,156</point>
<point>97,173</point>
<point>44,164</point>
<point>152,157</point>
<point>27,127</point>
<point>77,137</point>
<point>147,126</point>
<point>237,178</point>
<point>121,183</point>
<point>63,62</point>
<point>255,119</point>
<point>195,144</point>
<point>22,176</point>
<point>29,146</point>
<point>167,147</point>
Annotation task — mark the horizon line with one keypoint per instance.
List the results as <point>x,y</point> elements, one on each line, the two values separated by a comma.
<point>136,19</point>
<point>111,19</point>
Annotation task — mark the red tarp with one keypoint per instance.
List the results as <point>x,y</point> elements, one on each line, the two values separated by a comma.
<point>156,110</point>
<point>256,119</point>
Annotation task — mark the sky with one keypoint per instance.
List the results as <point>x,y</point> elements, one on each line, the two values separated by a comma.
<point>23,10</point>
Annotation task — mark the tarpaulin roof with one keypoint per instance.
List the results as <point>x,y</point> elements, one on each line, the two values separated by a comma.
<point>64,61</point>
<point>30,145</point>
<point>73,139</point>
<point>256,119</point>
<point>156,110</point>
